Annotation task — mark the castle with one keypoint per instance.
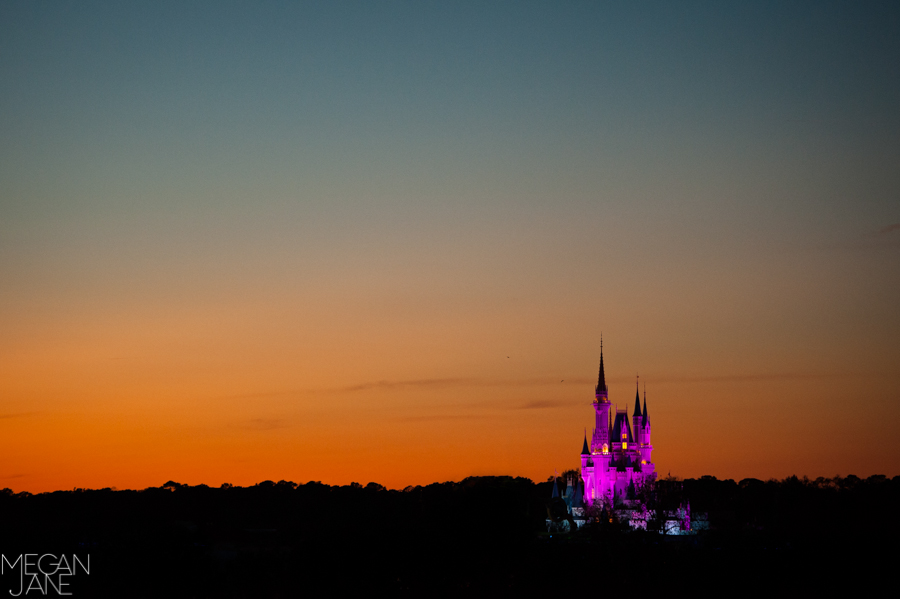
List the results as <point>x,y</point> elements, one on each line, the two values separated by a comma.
<point>617,461</point>
<point>617,475</point>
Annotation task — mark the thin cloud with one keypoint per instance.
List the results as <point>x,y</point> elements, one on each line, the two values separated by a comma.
<point>380,385</point>
<point>752,378</point>
<point>542,405</point>
<point>888,236</point>
<point>727,378</point>
<point>439,417</point>
<point>449,383</point>
<point>885,237</point>
<point>261,394</point>
<point>417,383</point>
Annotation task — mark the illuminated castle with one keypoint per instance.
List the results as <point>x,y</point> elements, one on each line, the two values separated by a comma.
<point>616,463</point>
<point>618,476</point>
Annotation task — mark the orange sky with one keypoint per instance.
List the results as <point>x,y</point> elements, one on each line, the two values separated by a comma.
<point>309,243</point>
<point>253,391</point>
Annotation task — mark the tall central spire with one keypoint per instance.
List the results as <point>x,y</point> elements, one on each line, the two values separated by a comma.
<point>601,390</point>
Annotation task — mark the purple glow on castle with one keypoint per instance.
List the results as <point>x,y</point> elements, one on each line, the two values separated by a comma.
<point>618,457</point>
<point>618,476</point>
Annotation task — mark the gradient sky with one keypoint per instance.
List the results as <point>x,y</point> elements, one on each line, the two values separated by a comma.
<point>366,241</point>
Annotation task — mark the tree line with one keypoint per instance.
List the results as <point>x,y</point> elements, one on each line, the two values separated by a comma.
<point>484,534</point>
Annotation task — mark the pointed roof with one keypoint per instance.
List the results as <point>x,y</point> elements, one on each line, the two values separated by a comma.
<point>578,500</point>
<point>585,450</point>
<point>601,378</point>
<point>620,427</point>
<point>555,489</point>
<point>637,405</point>
<point>646,416</point>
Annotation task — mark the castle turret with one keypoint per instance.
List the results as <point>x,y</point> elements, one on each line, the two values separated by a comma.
<point>570,493</point>
<point>578,498</point>
<point>637,419</point>
<point>585,455</point>
<point>646,447</point>
<point>645,422</point>
<point>600,439</point>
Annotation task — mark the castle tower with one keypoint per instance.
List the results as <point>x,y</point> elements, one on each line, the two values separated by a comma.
<point>600,439</point>
<point>646,447</point>
<point>637,420</point>
<point>585,454</point>
<point>645,424</point>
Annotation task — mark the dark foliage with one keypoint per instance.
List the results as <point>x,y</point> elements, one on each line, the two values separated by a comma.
<point>479,536</point>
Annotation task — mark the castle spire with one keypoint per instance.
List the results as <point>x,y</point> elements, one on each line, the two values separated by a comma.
<point>637,405</point>
<point>584,448</point>
<point>646,415</point>
<point>601,378</point>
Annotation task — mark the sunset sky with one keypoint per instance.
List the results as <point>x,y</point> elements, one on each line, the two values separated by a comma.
<point>379,241</point>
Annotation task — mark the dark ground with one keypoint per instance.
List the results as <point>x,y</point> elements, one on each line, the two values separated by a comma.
<point>482,536</point>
